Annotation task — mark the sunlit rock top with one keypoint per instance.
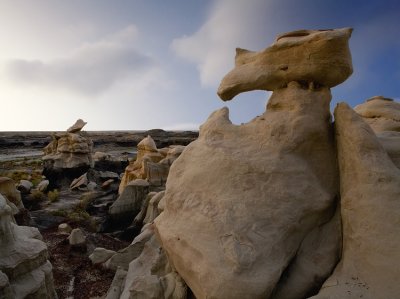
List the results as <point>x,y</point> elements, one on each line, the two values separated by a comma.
<point>320,57</point>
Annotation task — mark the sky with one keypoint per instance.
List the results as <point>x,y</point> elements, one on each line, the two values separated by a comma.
<point>145,64</point>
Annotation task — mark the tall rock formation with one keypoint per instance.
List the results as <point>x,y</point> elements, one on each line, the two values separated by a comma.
<point>248,207</point>
<point>370,208</point>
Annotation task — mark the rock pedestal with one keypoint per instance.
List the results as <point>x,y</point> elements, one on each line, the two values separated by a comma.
<point>67,156</point>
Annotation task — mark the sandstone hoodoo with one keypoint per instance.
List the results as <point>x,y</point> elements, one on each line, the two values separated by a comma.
<point>257,194</point>
<point>265,200</point>
<point>67,156</point>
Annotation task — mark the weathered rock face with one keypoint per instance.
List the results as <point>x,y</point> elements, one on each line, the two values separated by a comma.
<point>252,194</point>
<point>69,150</point>
<point>370,208</point>
<point>130,201</point>
<point>319,56</point>
<point>25,271</point>
<point>67,156</point>
<point>150,275</point>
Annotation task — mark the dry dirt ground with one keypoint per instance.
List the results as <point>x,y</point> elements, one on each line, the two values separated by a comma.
<point>74,275</point>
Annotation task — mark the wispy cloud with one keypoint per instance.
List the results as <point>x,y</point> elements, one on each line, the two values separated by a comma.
<point>229,25</point>
<point>90,69</point>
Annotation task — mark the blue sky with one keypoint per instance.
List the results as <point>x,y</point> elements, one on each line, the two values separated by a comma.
<point>143,64</point>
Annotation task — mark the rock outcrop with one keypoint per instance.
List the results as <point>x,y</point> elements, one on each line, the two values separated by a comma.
<point>151,164</point>
<point>287,206</point>
<point>319,56</point>
<point>252,193</point>
<point>67,156</point>
<point>149,275</point>
<point>129,203</point>
<point>370,208</point>
<point>25,271</point>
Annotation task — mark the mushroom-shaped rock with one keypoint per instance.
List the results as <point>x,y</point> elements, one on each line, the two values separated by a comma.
<point>320,57</point>
<point>77,126</point>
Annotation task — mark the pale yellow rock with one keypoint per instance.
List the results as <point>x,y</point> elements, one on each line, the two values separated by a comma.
<point>319,57</point>
<point>382,114</point>
<point>370,200</point>
<point>146,152</point>
<point>240,200</point>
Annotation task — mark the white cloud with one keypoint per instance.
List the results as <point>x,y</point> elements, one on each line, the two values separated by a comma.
<point>231,24</point>
<point>90,69</point>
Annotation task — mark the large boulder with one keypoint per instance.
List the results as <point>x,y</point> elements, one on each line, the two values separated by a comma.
<point>240,200</point>
<point>370,208</point>
<point>319,56</point>
<point>25,271</point>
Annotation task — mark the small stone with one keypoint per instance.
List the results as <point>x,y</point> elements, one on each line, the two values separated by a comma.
<point>42,186</point>
<point>64,228</point>
<point>77,238</point>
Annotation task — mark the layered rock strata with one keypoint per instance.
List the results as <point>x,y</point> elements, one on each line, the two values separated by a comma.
<point>151,164</point>
<point>67,156</point>
<point>25,271</point>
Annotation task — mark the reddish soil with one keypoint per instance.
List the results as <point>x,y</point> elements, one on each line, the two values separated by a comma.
<point>72,265</point>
